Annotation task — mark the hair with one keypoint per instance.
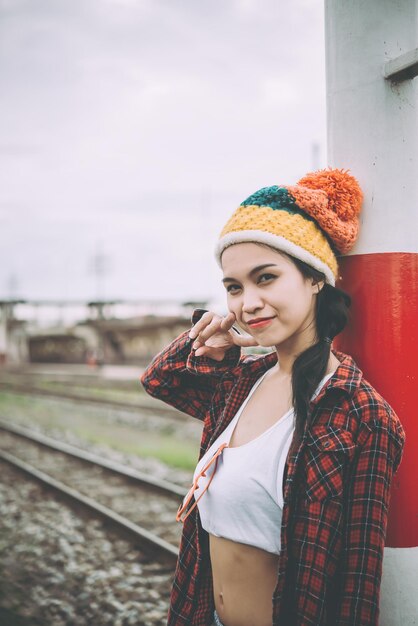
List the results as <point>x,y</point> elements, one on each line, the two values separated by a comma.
<point>331,317</point>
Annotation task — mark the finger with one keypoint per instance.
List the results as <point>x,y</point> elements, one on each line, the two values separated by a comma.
<point>205,350</point>
<point>228,321</point>
<point>210,329</point>
<point>202,351</point>
<point>201,324</point>
<point>245,341</point>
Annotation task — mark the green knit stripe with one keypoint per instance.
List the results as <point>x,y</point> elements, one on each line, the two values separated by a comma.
<point>277,198</point>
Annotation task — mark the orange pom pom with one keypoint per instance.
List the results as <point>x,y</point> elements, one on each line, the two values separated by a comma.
<point>343,191</point>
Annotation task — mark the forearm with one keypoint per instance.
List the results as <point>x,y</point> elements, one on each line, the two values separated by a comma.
<point>187,382</point>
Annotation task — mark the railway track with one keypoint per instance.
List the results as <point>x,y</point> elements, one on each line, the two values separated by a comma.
<point>136,506</point>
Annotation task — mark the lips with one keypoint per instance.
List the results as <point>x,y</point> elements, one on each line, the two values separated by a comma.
<point>261,321</point>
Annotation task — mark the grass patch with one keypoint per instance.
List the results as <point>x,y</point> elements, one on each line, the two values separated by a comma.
<point>95,425</point>
<point>101,393</point>
<point>168,449</point>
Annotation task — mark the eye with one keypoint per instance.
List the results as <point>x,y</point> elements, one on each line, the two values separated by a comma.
<point>268,276</point>
<point>231,287</point>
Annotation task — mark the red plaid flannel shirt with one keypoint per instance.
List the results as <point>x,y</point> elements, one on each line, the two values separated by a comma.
<point>336,493</point>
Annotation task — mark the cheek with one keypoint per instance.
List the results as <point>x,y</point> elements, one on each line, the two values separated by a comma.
<point>302,305</point>
<point>293,306</point>
<point>231,305</point>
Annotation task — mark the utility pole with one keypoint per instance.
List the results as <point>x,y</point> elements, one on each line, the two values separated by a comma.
<point>100,266</point>
<point>372,124</point>
<point>315,157</point>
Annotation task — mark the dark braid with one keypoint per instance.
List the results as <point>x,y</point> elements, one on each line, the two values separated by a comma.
<point>331,315</point>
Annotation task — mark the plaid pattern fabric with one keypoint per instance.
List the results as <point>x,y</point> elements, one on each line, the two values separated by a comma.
<point>336,494</point>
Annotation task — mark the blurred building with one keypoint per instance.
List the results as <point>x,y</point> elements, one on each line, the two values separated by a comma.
<point>98,338</point>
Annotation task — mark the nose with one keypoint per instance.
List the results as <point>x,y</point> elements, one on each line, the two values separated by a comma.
<point>251,300</point>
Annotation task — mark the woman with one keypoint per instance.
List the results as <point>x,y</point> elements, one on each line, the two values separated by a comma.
<point>286,519</point>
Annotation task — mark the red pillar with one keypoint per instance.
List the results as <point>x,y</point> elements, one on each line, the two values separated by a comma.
<point>382,337</point>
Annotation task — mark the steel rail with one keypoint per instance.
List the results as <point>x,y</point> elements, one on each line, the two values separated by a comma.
<point>149,542</point>
<point>165,487</point>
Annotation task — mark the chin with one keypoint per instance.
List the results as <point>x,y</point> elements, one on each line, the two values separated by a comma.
<point>272,341</point>
<point>267,342</point>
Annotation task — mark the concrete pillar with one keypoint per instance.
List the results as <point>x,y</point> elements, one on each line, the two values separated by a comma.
<point>372,123</point>
<point>3,335</point>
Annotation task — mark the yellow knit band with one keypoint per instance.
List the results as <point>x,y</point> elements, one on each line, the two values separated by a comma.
<point>293,233</point>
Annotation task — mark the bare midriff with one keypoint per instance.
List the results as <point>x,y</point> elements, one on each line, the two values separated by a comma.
<point>244,578</point>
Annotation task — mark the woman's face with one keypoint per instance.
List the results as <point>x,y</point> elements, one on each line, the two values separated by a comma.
<point>264,283</point>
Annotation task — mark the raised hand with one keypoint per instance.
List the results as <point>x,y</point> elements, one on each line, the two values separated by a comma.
<point>215,335</point>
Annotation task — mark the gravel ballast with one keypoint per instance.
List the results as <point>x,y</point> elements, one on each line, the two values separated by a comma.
<point>58,568</point>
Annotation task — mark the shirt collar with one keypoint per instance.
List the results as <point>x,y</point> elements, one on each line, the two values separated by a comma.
<point>346,377</point>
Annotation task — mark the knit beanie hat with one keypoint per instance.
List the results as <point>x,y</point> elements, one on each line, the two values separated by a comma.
<point>315,220</point>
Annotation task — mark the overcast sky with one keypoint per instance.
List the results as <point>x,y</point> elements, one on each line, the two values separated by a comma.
<point>134,128</point>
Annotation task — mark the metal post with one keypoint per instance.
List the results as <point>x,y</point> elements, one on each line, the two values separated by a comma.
<point>372,120</point>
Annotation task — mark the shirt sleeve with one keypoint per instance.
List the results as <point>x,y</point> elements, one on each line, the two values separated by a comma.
<point>366,521</point>
<point>185,381</point>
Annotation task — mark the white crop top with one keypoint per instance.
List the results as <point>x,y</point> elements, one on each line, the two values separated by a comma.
<point>244,501</point>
